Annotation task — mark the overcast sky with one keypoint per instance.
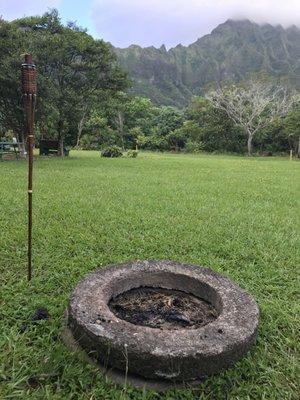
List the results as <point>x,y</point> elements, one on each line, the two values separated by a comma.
<point>156,22</point>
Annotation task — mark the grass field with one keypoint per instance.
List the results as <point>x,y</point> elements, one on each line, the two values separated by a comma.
<point>239,216</point>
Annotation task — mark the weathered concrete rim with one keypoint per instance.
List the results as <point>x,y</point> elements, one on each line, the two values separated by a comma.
<point>184,355</point>
<point>116,376</point>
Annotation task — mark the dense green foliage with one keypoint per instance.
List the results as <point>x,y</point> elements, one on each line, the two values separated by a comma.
<point>132,153</point>
<point>236,215</point>
<point>232,52</point>
<point>199,127</point>
<point>76,74</point>
<point>112,152</point>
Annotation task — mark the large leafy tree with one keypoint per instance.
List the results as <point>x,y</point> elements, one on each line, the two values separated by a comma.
<point>76,72</point>
<point>11,42</point>
<point>128,115</point>
<point>168,119</point>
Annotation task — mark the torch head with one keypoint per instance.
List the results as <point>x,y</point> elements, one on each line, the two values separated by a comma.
<point>29,86</point>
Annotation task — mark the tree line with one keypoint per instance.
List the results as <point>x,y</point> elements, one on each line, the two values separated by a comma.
<point>84,100</point>
<point>213,124</point>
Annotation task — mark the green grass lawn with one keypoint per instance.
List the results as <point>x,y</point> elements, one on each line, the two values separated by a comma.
<point>239,216</point>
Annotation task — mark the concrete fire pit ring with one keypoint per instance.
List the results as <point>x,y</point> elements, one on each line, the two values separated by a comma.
<point>184,355</point>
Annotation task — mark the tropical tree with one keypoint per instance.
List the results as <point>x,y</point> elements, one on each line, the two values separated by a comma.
<point>75,71</point>
<point>140,112</point>
<point>252,106</point>
<point>167,120</point>
<point>11,114</point>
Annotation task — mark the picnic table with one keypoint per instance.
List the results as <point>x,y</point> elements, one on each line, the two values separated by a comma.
<point>9,148</point>
<point>50,146</point>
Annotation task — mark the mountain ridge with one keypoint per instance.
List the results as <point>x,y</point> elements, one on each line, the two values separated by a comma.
<point>231,52</point>
<point>228,21</point>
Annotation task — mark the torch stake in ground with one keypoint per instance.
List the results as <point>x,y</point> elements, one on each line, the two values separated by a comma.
<point>29,91</point>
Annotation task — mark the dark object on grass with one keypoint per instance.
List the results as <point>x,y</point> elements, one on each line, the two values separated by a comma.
<point>112,152</point>
<point>33,382</point>
<point>186,354</point>
<point>39,315</point>
<point>49,146</point>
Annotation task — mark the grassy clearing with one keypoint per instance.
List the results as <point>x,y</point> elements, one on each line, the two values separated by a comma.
<point>237,215</point>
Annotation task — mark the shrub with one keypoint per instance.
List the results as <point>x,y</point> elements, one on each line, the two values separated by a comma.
<point>132,153</point>
<point>193,147</point>
<point>112,152</point>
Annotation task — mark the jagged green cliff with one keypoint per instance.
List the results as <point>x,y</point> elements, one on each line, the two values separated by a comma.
<point>233,51</point>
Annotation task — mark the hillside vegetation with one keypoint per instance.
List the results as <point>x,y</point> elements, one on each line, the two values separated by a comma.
<point>233,51</point>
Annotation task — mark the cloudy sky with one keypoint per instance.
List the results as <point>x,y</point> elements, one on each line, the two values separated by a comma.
<point>156,22</point>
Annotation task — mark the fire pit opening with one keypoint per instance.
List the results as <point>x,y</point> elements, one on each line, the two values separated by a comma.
<point>163,308</point>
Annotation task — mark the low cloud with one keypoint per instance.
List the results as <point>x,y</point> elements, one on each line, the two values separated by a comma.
<point>155,22</point>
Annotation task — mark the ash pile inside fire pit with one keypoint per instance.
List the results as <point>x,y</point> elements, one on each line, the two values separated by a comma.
<point>163,309</point>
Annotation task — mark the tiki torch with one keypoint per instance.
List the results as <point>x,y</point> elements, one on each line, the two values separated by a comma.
<point>29,90</point>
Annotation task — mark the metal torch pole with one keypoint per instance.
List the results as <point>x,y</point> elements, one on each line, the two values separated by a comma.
<point>29,90</point>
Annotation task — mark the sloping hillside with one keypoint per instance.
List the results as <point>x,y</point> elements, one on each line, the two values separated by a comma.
<point>233,51</point>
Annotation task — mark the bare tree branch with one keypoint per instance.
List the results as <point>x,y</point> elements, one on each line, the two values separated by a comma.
<point>253,106</point>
